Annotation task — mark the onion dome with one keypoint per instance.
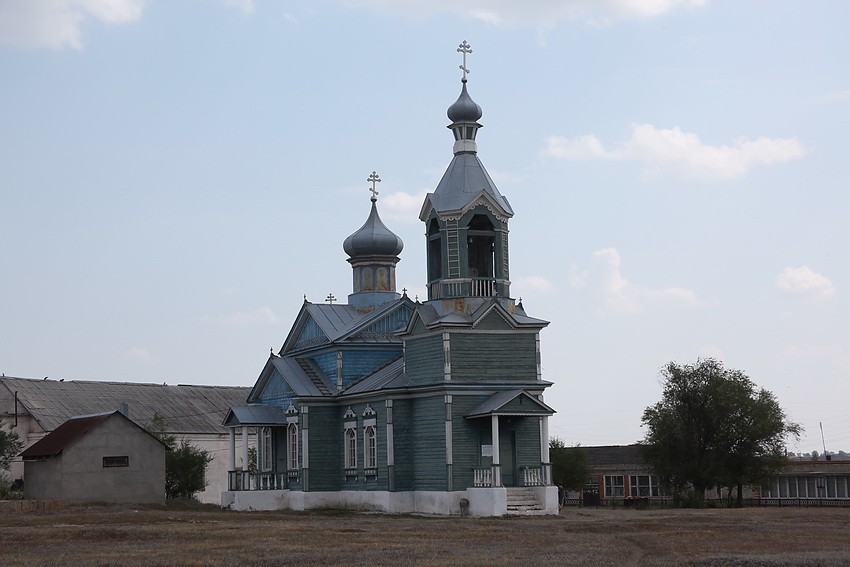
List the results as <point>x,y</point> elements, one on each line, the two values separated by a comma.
<point>373,238</point>
<point>464,108</point>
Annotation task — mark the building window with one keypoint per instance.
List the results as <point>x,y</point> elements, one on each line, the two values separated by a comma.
<point>350,448</point>
<point>370,442</point>
<point>292,446</point>
<point>116,461</point>
<point>645,486</point>
<point>614,485</point>
<point>266,448</point>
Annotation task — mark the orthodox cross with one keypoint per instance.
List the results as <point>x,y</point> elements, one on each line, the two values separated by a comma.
<point>374,179</point>
<point>330,298</point>
<point>464,48</point>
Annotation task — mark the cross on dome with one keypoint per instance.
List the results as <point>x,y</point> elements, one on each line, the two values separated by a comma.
<point>464,48</point>
<point>374,179</point>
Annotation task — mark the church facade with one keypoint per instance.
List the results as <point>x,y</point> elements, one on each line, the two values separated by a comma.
<point>394,405</point>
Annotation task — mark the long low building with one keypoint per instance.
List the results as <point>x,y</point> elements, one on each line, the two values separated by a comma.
<point>35,407</point>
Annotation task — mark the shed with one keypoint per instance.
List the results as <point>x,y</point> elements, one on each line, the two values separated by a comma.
<point>103,457</point>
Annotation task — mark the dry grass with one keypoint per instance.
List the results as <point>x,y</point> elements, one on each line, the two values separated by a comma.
<point>102,536</point>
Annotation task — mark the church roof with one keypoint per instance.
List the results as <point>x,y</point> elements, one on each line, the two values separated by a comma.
<point>255,415</point>
<point>390,376</point>
<point>185,408</point>
<point>432,318</point>
<point>503,403</point>
<point>462,184</point>
<point>373,238</point>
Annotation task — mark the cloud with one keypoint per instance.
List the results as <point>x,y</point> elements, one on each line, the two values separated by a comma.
<point>614,295</point>
<point>545,13</point>
<point>533,283</point>
<point>246,6</point>
<point>678,153</point>
<point>803,281</point>
<point>56,24</point>
<point>401,206</point>
<point>139,355</point>
<point>260,316</point>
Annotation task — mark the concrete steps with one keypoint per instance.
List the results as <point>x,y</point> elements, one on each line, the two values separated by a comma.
<point>521,501</point>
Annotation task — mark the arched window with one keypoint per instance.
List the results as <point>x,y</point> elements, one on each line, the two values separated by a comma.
<point>370,444</point>
<point>350,448</point>
<point>292,446</point>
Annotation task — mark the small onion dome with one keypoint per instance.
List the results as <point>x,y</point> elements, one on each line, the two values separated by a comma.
<point>373,238</point>
<point>464,108</point>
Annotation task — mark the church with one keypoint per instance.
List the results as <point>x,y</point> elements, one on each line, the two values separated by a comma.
<point>400,406</point>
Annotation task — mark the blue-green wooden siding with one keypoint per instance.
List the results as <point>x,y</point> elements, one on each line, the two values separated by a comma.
<point>423,359</point>
<point>489,357</point>
<point>311,335</point>
<point>276,392</point>
<point>429,443</point>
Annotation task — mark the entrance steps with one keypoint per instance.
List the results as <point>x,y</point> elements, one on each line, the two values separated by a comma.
<point>521,501</point>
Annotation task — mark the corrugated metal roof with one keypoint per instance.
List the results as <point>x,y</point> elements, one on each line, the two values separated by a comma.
<point>185,408</point>
<point>64,435</point>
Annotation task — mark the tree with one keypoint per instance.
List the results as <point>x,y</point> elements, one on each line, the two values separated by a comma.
<point>569,465</point>
<point>713,427</point>
<point>185,464</point>
<point>10,446</point>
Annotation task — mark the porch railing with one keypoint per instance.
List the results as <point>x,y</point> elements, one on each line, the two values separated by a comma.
<point>245,480</point>
<point>533,476</point>
<point>482,476</point>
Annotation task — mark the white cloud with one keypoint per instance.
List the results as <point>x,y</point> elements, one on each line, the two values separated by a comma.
<point>533,283</point>
<point>260,316</point>
<point>56,24</point>
<point>804,281</point>
<point>545,13</point>
<point>401,206</point>
<point>678,153</point>
<point>614,295</point>
<point>139,355</point>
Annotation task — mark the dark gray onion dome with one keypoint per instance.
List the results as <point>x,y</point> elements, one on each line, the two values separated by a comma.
<point>373,239</point>
<point>464,108</point>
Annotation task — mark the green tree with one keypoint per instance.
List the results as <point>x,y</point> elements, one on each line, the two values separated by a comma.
<point>714,427</point>
<point>185,464</point>
<point>10,446</point>
<point>569,465</point>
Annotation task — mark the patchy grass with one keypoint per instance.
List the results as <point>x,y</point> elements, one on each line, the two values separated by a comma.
<point>104,536</point>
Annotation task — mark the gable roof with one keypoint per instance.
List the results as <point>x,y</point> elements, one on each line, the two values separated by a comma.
<point>186,409</point>
<point>255,415</point>
<point>339,322</point>
<point>64,435</point>
<point>431,318</point>
<point>510,402</point>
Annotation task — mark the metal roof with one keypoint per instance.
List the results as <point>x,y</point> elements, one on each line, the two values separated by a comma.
<point>464,181</point>
<point>613,455</point>
<point>255,415</point>
<point>185,408</point>
<point>390,376</point>
<point>495,403</point>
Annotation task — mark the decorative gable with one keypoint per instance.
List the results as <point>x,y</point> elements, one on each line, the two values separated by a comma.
<point>309,336</point>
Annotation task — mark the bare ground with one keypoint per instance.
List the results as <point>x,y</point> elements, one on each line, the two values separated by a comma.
<point>103,536</point>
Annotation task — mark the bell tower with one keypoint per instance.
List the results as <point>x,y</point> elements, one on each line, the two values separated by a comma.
<point>466,218</point>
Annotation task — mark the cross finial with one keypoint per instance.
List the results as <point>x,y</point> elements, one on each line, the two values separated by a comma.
<point>330,298</point>
<point>374,179</point>
<point>404,291</point>
<point>464,48</point>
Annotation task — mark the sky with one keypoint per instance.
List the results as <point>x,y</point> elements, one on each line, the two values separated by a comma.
<point>176,176</point>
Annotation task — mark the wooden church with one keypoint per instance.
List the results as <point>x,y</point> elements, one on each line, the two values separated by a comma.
<point>392,405</point>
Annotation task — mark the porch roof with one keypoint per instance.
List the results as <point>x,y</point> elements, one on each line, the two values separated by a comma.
<point>255,415</point>
<point>511,402</point>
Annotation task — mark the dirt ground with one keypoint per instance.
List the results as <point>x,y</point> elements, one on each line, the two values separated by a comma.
<point>752,537</point>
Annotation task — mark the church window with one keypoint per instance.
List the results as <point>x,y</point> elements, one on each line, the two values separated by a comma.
<point>435,251</point>
<point>350,448</point>
<point>481,238</point>
<point>266,448</point>
<point>292,446</point>
<point>613,485</point>
<point>370,443</point>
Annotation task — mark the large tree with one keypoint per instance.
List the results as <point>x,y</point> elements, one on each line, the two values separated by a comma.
<point>569,465</point>
<point>714,427</point>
